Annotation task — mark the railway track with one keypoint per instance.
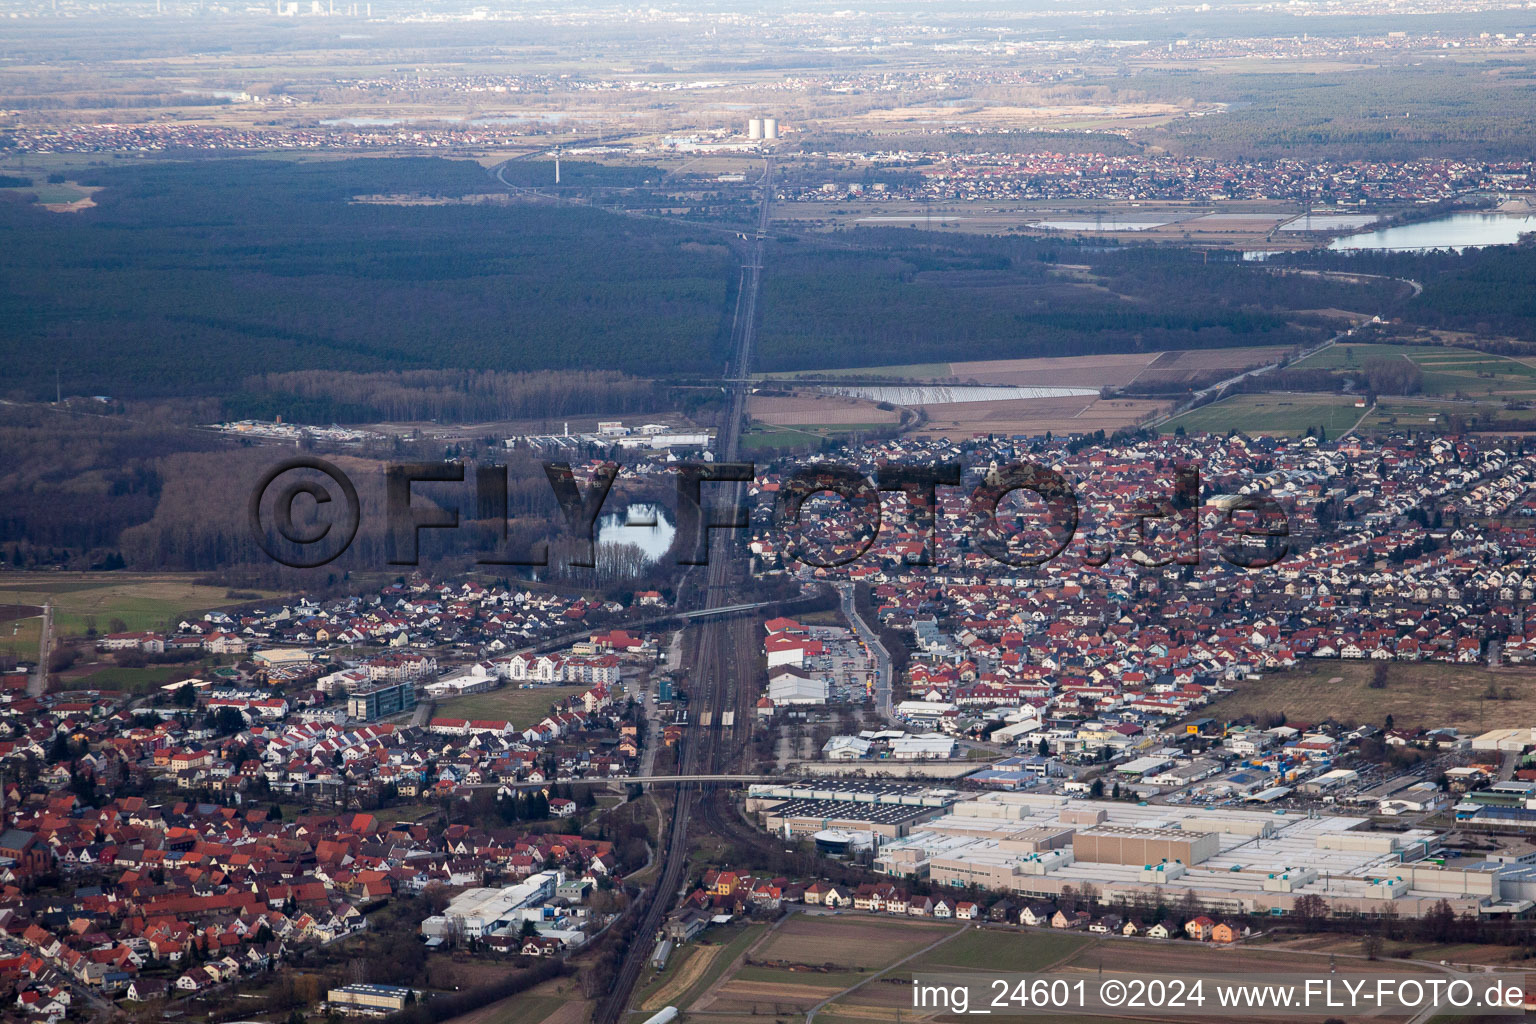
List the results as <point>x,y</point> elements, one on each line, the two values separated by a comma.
<point>721,654</point>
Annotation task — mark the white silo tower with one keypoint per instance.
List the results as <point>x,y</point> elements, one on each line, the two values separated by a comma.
<point>755,128</point>
<point>770,127</point>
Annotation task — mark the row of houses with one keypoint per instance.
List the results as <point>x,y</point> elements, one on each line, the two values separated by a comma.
<point>1392,556</point>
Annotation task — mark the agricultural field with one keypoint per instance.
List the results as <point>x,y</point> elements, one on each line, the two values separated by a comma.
<point>761,437</point>
<point>104,676</point>
<point>1189,367</point>
<point>997,950</point>
<point>969,950</point>
<point>1475,374</point>
<point>558,1001</point>
<point>684,967</point>
<point>1152,956</point>
<point>1289,413</point>
<point>140,600</point>
<point>812,407</point>
<point>1409,413</point>
<point>700,979</point>
<point>881,995</point>
<point>1478,954</point>
<point>1447,371</point>
<point>65,197</point>
<point>849,942</point>
<point>1417,694</point>
<point>1459,384</point>
<point>1353,355</point>
<point>1173,370</point>
<point>1098,370</point>
<point>1092,371</point>
<point>518,706</point>
<point>811,958</point>
<point>20,631</point>
<point>959,420</point>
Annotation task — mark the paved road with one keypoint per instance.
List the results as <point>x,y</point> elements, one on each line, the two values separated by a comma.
<point>866,633</point>
<point>1348,275</point>
<point>1351,430</point>
<point>39,681</point>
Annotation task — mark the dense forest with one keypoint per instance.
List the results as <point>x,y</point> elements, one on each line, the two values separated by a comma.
<point>322,396</point>
<point>909,296</point>
<point>191,278</point>
<point>1385,113</point>
<point>1481,291</point>
<point>198,278</point>
<point>97,485</point>
<point>73,482</point>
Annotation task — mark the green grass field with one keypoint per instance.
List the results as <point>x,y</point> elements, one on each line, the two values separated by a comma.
<point>1416,694</point>
<point>1351,356</point>
<point>19,637</point>
<point>762,435</point>
<point>759,437</point>
<point>1447,371</point>
<point>1484,382</point>
<point>523,1009</point>
<point>520,707</point>
<point>1281,414</point>
<point>1405,412</point>
<point>140,600</point>
<point>61,192</point>
<point>135,680</point>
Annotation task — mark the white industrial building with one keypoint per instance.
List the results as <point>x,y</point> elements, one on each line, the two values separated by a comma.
<point>1504,740</point>
<point>477,913</point>
<point>1230,861</point>
<point>845,748</point>
<point>1144,766</point>
<point>790,685</point>
<point>927,747</point>
<point>923,711</point>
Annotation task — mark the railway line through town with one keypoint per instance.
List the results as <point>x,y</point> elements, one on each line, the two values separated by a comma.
<point>720,654</point>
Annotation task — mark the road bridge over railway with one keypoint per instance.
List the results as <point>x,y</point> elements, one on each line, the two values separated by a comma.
<point>625,780</point>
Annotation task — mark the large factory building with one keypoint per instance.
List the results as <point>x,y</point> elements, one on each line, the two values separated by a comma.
<point>1228,860</point>
<point>1121,844</point>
